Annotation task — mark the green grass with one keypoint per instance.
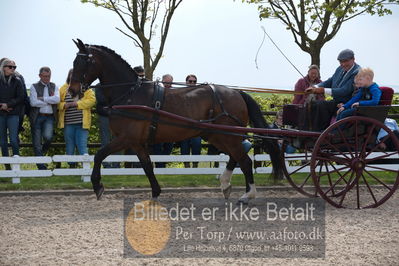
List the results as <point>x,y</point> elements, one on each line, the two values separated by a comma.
<point>140,181</point>
<point>74,182</point>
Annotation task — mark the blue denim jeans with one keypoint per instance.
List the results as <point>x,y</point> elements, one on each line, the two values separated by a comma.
<point>193,144</point>
<point>346,113</point>
<point>43,130</point>
<point>162,149</point>
<point>75,137</point>
<point>9,123</point>
<point>105,138</point>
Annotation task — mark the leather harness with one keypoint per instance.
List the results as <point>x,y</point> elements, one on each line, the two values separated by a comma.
<point>157,103</point>
<point>158,100</point>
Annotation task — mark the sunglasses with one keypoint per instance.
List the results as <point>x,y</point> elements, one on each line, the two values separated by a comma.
<point>11,67</point>
<point>192,81</point>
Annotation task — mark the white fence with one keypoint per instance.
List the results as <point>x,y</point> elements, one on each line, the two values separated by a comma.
<point>17,170</point>
<point>17,165</point>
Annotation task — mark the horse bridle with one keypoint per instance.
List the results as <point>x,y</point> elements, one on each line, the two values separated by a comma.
<point>90,60</point>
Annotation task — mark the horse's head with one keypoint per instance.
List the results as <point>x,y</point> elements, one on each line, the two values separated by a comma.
<point>84,69</point>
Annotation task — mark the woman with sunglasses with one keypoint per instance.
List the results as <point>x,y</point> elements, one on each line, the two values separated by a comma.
<point>11,102</point>
<point>192,145</point>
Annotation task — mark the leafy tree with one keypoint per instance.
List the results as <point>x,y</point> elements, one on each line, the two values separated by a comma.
<point>141,18</point>
<point>313,23</point>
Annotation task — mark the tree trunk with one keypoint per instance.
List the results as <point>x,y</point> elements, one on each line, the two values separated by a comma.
<point>315,55</point>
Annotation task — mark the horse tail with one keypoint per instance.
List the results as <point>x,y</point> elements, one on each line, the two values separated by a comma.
<point>271,146</point>
<point>255,114</point>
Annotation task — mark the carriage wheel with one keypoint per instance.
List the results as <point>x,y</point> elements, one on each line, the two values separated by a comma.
<point>296,167</point>
<point>356,172</point>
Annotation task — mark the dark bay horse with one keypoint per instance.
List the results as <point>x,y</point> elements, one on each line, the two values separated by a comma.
<point>217,104</point>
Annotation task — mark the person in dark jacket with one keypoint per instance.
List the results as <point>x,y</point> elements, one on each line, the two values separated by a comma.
<point>339,86</point>
<point>11,102</point>
<point>26,107</point>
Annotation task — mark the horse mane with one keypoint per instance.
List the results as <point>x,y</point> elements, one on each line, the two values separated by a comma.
<point>114,54</point>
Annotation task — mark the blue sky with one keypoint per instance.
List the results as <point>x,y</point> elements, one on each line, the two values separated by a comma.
<point>216,40</point>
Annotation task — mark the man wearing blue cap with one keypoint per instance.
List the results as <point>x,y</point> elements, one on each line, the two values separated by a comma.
<point>339,86</point>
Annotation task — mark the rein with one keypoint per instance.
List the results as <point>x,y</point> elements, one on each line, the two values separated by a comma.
<point>243,88</point>
<point>264,90</point>
<point>119,84</point>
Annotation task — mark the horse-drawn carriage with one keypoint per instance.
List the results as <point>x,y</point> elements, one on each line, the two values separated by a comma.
<point>346,164</point>
<point>343,162</point>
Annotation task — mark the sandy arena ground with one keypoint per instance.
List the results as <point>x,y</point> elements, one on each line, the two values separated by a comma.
<point>76,230</point>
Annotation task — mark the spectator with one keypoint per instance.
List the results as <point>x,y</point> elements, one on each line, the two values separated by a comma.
<point>193,144</point>
<point>103,124</point>
<point>167,81</point>
<point>212,150</point>
<point>11,102</point>
<point>369,94</point>
<point>139,71</point>
<point>164,148</point>
<point>340,86</point>
<point>26,107</point>
<point>388,144</point>
<point>312,78</point>
<point>75,118</point>
<point>44,97</point>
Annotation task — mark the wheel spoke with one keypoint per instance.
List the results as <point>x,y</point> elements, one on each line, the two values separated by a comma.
<point>335,170</point>
<point>370,130</point>
<point>345,190</point>
<point>357,192</point>
<point>378,180</point>
<point>385,155</point>
<point>300,168</point>
<point>329,178</point>
<point>306,180</point>
<point>356,139</point>
<point>383,169</point>
<point>329,157</point>
<point>369,189</point>
<point>345,141</point>
<point>376,146</point>
<point>332,186</point>
<point>338,172</point>
<point>335,148</point>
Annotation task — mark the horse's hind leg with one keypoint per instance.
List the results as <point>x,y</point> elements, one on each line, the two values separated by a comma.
<point>273,149</point>
<point>246,167</point>
<point>237,154</point>
<point>112,147</point>
<point>225,178</point>
<point>145,160</point>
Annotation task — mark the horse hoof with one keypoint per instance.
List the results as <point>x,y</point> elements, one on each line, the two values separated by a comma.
<point>99,192</point>
<point>243,201</point>
<point>226,192</point>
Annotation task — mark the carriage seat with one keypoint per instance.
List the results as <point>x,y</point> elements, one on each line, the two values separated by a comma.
<point>386,96</point>
<point>379,113</point>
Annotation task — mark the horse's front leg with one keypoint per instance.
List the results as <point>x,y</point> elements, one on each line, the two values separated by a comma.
<point>145,160</point>
<point>112,147</point>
